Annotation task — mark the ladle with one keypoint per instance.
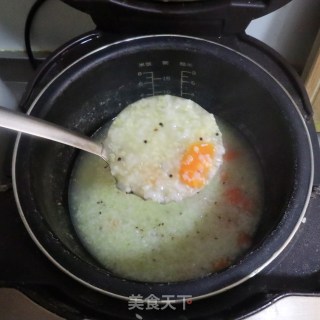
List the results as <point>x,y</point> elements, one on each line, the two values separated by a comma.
<point>21,122</point>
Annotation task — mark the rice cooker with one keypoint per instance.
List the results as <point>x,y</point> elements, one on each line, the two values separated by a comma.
<point>192,49</point>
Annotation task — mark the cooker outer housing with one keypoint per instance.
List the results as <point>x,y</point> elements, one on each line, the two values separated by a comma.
<point>253,49</point>
<point>205,18</point>
<point>223,22</point>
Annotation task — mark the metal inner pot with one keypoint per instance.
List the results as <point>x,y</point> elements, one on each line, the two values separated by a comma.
<point>95,88</point>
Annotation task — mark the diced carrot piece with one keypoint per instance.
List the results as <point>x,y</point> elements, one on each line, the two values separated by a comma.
<point>230,155</point>
<point>244,240</point>
<point>221,263</point>
<point>196,164</point>
<point>152,181</point>
<point>115,223</point>
<point>236,197</point>
<point>224,176</point>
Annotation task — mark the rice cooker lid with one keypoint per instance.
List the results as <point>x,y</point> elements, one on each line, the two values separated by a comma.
<point>193,17</point>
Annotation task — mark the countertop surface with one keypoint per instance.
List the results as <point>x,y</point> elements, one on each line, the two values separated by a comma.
<point>14,305</point>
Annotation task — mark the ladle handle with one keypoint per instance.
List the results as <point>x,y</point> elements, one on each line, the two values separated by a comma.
<point>21,122</point>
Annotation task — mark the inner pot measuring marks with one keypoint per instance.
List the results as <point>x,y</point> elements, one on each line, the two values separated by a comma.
<point>88,94</point>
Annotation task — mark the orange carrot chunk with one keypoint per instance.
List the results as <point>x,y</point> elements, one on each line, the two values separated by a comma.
<point>221,264</point>
<point>196,164</point>
<point>236,197</point>
<point>230,155</point>
<point>224,176</point>
<point>244,240</point>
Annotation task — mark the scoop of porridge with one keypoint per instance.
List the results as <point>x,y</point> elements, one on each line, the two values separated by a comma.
<point>164,148</point>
